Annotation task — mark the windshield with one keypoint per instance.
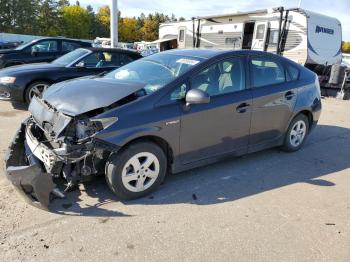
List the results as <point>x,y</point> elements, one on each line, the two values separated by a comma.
<point>24,45</point>
<point>155,71</point>
<point>71,57</point>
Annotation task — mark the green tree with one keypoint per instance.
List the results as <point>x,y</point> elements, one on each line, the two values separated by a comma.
<point>76,21</point>
<point>346,47</point>
<point>48,19</point>
<point>19,16</point>
<point>128,30</point>
<point>103,18</point>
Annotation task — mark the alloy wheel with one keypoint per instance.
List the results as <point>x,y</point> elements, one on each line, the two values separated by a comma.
<point>298,133</point>
<point>37,90</point>
<point>140,172</point>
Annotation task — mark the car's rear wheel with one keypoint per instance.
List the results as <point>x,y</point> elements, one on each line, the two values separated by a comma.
<point>296,134</point>
<point>35,89</point>
<point>136,171</point>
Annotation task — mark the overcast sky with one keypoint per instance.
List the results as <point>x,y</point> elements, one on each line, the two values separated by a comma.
<point>190,8</point>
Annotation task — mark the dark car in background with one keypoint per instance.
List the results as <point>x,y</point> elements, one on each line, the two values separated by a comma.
<point>9,45</point>
<point>39,50</point>
<point>21,83</point>
<point>171,111</point>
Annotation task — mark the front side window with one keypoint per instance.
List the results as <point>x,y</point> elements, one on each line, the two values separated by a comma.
<point>179,93</point>
<point>95,60</point>
<point>221,78</point>
<point>266,72</point>
<point>155,71</point>
<point>45,46</point>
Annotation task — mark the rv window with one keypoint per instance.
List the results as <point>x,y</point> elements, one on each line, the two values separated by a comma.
<point>266,72</point>
<point>231,41</point>
<point>260,32</point>
<point>182,35</point>
<point>273,37</point>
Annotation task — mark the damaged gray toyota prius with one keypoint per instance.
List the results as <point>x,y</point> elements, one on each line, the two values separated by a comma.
<point>165,113</point>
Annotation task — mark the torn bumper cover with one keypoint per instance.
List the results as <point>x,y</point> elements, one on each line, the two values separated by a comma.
<point>25,172</point>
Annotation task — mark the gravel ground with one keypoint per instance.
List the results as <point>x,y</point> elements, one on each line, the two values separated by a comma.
<point>267,206</point>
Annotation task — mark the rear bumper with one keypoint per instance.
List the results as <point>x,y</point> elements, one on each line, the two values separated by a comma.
<point>26,173</point>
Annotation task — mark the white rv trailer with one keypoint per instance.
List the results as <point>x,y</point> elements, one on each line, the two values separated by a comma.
<point>306,37</point>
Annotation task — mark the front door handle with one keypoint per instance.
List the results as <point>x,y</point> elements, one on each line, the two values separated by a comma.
<point>289,95</point>
<point>242,108</point>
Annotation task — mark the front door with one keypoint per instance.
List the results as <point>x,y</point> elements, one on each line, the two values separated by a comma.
<point>221,126</point>
<point>260,35</point>
<point>44,51</point>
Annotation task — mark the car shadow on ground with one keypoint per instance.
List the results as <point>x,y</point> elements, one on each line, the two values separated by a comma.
<point>326,151</point>
<point>19,106</point>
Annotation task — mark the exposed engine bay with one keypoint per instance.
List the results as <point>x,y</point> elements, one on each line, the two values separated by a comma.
<point>52,145</point>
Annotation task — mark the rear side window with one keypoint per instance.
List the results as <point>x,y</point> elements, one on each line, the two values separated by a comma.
<point>266,72</point>
<point>113,59</point>
<point>293,73</point>
<point>69,46</point>
<point>124,59</point>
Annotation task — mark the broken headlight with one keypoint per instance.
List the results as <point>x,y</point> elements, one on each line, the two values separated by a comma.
<point>88,127</point>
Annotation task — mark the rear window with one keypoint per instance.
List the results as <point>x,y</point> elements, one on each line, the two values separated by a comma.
<point>293,73</point>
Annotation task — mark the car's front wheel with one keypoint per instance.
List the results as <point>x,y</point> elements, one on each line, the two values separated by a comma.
<point>35,89</point>
<point>296,134</point>
<point>137,171</point>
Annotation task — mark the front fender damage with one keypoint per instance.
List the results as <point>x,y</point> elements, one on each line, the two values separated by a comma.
<point>26,174</point>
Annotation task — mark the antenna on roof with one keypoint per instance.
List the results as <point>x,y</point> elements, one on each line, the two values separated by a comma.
<point>299,5</point>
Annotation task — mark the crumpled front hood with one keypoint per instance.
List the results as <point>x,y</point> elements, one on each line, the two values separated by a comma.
<point>79,96</point>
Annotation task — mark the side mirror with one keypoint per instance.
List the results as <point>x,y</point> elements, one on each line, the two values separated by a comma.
<point>197,96</point>
<point>81,64</point>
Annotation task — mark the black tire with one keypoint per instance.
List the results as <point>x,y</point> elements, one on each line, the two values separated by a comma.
<point>116,164</point>
<point>288,145</point>
<point>27,96</point>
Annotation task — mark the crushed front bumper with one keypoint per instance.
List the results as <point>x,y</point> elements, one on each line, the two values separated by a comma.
<point>25,172</point>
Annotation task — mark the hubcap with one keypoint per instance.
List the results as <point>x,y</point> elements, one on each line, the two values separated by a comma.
<point>298,133</point>
<point>37,90</point>
<point>140,172</point>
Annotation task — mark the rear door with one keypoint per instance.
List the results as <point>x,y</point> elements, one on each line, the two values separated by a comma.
<point>260,35</point>
<point>274,98</point>
<point>222,126</point>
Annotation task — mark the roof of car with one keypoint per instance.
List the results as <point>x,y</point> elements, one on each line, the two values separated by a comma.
<point>97,49</point>
<point>209,53</point>
<point>62,38</point>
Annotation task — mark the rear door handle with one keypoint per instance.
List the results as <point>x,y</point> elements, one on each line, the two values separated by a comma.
<point>289,95</point>
<point>242,108</point>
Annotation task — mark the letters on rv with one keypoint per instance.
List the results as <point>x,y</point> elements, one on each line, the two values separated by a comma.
<point>320,29</point>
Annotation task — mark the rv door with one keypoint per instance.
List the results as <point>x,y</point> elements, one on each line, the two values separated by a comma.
<point>182,37</point>
<point>260,35</point>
